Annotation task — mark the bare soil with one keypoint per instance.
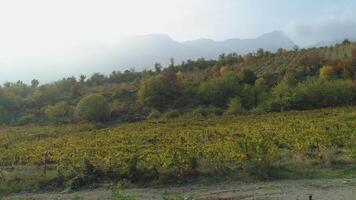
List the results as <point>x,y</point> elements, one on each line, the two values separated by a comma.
<point>320,189</point>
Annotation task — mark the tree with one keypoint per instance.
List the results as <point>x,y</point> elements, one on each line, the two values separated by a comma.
<point>318,93</point>
<point>34,83</point>
<point>251,96</point>
<point>281,97</point>
<point>247,76</point>
<point>59,112</point>
<point>328,73</point>
<point>159,91</point>
<point>260,53</point>
<point>346,42</point>
<point>171,62</point>
<point>235,106</point>
<point>92,108</point>
<point>97,79</point>
<point>353,61</point>
<point>294,75</point>
<point>82,78</point>
<point>158,67</point>
<point>217,91</point>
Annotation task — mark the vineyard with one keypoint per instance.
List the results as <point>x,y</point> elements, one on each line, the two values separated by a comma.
<point>180,149</point>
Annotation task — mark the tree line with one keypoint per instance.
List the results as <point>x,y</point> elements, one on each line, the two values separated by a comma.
<point>252,83</point>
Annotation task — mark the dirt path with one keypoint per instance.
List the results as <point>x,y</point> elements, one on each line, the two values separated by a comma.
<point>324,189</point>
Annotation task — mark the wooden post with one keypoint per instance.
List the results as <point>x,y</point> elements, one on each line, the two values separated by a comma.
<point>45,163</point>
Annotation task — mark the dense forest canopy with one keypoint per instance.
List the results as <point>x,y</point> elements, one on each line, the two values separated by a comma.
<point>255,82</point>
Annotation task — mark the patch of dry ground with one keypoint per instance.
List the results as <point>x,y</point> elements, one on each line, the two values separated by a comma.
<point>321,189</point>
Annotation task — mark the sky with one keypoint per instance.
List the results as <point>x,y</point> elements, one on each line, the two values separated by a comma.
<point>39,26</point>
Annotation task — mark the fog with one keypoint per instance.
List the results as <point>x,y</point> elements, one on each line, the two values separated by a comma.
<point>47,40</point>
<point>322,31</point>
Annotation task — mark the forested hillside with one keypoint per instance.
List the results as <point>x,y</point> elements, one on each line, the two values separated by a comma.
<point>255,82</point>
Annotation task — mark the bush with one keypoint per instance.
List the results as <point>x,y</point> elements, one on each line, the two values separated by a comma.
<point>58,113</point>
<point>319,93</point>
<point>158,92</point>
<point>92,108</point>
<point>247,76</point>
<point>328,72</point>
<point>126,111</point>
<point>251,96</point>
<point>281,98</point>
<point>171,114</point>
<point>235,106</point>
<point>217,91</point>
<point>207,110</point>
<point>154,114</point>
<point>26,119</point>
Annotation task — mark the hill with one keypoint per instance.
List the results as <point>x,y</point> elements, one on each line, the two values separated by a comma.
<point>138,52</point>
<point>263,81</point>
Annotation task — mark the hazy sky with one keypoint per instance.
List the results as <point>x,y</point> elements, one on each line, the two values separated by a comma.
<point>37,26</point>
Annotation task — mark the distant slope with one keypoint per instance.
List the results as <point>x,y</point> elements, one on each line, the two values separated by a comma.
<point>210,49</point>
<point>143,51</point>
<point>139,52</point>
<point>316,56</point>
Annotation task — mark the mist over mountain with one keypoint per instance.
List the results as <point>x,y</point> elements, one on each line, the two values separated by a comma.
<point>143,51</point>
<point>326,43</point>
<point>138,52</point>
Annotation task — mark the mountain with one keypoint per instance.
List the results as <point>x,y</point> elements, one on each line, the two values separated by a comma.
<point>139,52</point>
<point>143,51</point>
<point>328,43</point>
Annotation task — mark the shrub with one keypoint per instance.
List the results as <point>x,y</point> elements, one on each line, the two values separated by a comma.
<point>281,98</point>
<point>158,92</point>
<point>58,113</point>
<point>126,111</point>
<point>26,119</point>
<point>235,106</point>
<point>207,110</point>
<point>171,114</point>
<point>92,108</point>
<point>247,76</point>
<point>217,91</point>
<point>328,72</point>
<point>251,96</point>
<point>318,93</point>
<point>154,114</point>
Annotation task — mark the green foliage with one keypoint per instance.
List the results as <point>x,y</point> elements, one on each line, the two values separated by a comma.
<point>281,97</point>
<point>154,114</point>
<point>319,93</point>
<point>181,149</point>
<point>158,92</point>
<point>252,96</point>
<point>235,106</point>
<point>206,111</point>
<point>247,76</point>
<point>27,119</point>
<point>92,108</point>
<point>170,114</point>
<point>328,73</point>
<point>218,91</point>
<point>61,112</point>
<point>126,111</point>
<point>264,81</point>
